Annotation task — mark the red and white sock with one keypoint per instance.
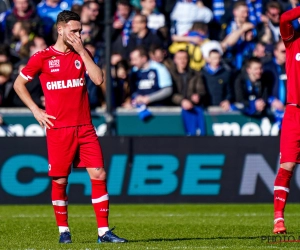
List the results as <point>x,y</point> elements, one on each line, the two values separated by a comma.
<point>281,192</point>
<point>60,206</point>
<point>100,200</point>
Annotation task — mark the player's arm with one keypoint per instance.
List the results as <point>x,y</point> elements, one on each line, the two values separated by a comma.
<point>94,72</point>
<point>40,115</point>
<point>286,28</point>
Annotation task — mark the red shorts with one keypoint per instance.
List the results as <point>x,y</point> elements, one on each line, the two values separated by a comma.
<point>290,135</point>
<point>78,145</point>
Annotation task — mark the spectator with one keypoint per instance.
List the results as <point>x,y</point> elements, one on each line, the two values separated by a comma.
<point>121,88</point>
<point>251,89</point>
<point>189,93</point>
<point>86,33</point>
<point>37,44</point>
<point>185,13</point>
<point>217,77</point>
<point>5,55</point>
<point>48,11</point>
<point>95,93</point>
<point>192,43</point>
<point>23,11</point>
<point>141,34</point>
<point>155,20</point>
<point>275,71</point>
<point>122,26</point>
<point>268,30</point>
<point>34,87</point>
<point>160,55</point>
<point>6,70</point>
<point>21,36</point>
<point>240,17</point>
<point>4,6</point>
<point>150,82</point>
<point>239,45</point>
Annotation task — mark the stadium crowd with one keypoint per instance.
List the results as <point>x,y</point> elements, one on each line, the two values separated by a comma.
<point>191,53</point>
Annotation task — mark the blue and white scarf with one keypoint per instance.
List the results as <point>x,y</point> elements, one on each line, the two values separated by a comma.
<point>126,27</point>
<point>255,11</point>
<point>218,9</point>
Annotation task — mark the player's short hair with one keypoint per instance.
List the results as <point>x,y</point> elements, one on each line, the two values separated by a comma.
<point>142,51</point>
<point>67,16</point>
<point>239,3</point>
<point>252,60</point>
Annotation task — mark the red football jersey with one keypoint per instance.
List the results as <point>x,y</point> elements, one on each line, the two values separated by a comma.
<point>62,78</point>
<point>291,40</point>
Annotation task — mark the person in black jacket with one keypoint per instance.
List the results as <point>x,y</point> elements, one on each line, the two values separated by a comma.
<point>252,89</point>
<point>217,79</point>
<point>142,35</point>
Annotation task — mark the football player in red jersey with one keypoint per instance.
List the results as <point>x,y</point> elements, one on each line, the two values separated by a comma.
<point>71,137</point>
<point>290,133</point>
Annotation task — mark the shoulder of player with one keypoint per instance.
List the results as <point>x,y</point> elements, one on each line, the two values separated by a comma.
<point>42,53</point>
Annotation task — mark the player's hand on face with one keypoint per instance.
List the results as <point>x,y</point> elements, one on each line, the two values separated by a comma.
<point>76,42</point>
<point>43,118</point>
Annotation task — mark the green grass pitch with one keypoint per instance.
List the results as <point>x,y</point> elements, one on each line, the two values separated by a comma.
<point>182,226</point>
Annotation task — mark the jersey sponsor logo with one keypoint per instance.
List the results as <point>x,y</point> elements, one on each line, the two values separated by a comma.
<point>71,83</point>
<point>298,57</point>
<point>54,63</point>
<point>146,84</point>
<point>77,64</point>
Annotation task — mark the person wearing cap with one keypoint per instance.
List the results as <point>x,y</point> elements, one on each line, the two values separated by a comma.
<point>217,76</point>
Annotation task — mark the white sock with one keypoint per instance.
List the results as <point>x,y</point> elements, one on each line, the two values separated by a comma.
<point>63,229</point>
<point>102,230</point>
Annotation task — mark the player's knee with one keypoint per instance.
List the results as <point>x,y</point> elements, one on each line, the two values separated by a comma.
<point>99,174</point>
<point>60,180</point>
<point>288,166</point>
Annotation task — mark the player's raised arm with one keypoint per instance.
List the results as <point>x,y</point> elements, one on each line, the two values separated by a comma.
<point>95,73</point>
<point>286,28</point>
<point>40,115</point>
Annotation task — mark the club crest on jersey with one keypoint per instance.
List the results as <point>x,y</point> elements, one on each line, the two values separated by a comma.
<point>77,64</point>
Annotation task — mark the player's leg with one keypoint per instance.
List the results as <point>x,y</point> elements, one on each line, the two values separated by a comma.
<point>100,201</point>
<point>60,206</point>
<point>62,147</point>
<point>281,191</point>
<point>289,156</point>
<point>90,156</point>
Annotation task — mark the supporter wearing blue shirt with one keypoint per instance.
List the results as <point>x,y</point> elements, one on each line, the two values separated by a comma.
<point>150,82</point>
<point>48,11</point>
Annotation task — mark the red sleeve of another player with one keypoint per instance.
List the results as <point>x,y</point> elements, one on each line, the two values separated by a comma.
<point>33,67</point>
